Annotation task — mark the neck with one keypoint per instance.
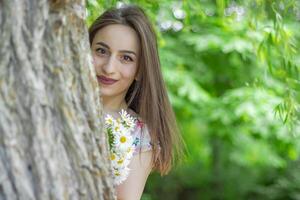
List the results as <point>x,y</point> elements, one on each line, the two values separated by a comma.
<point>113,104</point>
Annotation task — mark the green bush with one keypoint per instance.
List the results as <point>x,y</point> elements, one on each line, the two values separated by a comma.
<point>232,72</point>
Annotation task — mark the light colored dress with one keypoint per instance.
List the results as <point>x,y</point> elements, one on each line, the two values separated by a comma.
<point>142,139</point>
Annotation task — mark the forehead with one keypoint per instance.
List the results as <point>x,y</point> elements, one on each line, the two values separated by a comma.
<point>118,37</point>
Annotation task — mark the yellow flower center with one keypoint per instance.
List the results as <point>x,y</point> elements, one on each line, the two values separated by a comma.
<point>112,157</point>
<point>120,161</point>
<point>123,139</point>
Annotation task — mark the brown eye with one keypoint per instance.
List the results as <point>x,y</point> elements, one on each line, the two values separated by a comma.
<point>101,51</point>
<point>127,58</point>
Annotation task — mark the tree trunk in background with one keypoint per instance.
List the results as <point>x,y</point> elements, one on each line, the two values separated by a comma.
<point>52,144</point>
<point>216,164</point>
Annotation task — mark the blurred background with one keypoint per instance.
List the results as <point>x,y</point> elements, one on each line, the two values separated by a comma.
<point>232,72</point>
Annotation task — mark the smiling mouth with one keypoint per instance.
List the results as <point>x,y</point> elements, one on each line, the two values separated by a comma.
<point>106,81</point>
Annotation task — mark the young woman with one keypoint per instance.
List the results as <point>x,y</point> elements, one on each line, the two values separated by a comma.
<point>127,65</point>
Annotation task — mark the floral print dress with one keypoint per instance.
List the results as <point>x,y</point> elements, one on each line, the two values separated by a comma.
<point>142,139</point>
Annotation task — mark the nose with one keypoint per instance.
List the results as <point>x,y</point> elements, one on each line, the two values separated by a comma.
<point>109,66</point>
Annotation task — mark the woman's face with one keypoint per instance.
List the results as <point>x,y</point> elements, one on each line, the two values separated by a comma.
<point>115,50</point>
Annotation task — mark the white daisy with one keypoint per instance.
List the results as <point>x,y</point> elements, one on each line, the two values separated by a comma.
<point>109,120</point>
<point>123,141</point>
<point>119,177</point>
<point>128,120</point>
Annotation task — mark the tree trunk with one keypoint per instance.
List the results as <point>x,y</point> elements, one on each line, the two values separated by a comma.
<point>52,145</point>
<point>216,164</point>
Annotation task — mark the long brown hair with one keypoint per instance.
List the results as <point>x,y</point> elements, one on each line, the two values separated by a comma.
<point>148,95</point>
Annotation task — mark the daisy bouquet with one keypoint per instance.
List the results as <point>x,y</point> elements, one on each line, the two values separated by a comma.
<point>120,144</point>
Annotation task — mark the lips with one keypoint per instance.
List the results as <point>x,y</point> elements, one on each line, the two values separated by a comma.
<point>105,80</point>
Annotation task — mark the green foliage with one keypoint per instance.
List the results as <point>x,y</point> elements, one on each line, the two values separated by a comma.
<point>232,72</point>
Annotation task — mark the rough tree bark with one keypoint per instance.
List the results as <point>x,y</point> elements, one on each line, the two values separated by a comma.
<point>52,144</point>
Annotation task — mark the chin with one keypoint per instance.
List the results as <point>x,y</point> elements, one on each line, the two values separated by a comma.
<point>109,93</point>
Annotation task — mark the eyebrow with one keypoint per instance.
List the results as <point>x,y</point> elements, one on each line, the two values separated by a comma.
<point>123,51</point>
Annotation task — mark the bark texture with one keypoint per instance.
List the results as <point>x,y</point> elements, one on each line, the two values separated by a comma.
<point>52,145</point>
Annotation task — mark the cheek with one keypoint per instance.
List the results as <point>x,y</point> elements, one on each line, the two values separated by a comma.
<point>94,60</point>
<point>97,61</point>
<point>129,71</point>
